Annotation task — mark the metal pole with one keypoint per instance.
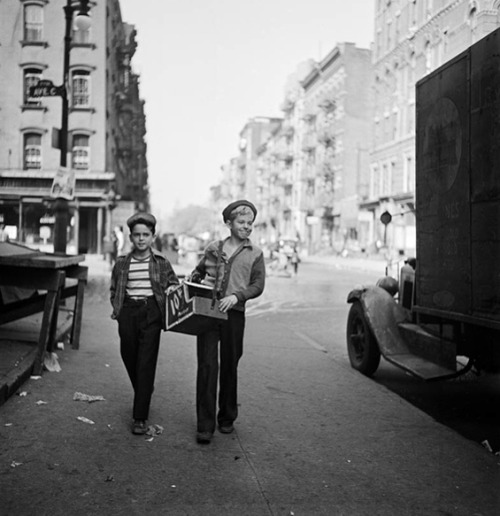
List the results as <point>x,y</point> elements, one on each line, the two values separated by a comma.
<point>61,205</point>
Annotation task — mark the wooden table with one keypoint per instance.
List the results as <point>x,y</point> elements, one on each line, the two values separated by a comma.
<point>25,268</point>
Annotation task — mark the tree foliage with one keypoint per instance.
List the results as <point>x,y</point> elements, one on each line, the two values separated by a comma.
<point>191,220</point>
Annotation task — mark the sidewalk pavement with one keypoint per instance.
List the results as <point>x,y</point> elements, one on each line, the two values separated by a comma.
<point>314,438</point>
<point>18,339</point>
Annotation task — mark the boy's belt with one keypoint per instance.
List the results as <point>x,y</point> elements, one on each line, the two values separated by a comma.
<point>138,300</point>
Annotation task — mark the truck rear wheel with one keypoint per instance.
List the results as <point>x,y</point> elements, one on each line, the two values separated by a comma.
<point>362,347</point>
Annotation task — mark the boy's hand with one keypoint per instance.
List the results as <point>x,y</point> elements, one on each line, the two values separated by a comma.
<point>226,303</point>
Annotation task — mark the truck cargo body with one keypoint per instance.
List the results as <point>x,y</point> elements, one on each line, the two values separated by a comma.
<point>458,187</point>
<point>449,306</point>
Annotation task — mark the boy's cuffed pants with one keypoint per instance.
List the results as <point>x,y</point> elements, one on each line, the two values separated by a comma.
<point>230,334</point>
<point>139,327</point>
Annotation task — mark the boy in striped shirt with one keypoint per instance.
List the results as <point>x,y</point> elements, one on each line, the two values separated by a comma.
<point>138,284</point>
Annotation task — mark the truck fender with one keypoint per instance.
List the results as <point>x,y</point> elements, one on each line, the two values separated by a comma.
<point>383,315</point>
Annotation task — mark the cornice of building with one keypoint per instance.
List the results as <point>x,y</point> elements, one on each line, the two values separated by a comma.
<point>417,32</point>
<point>321,67</point>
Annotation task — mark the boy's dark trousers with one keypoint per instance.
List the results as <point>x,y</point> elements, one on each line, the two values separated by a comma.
<point>139,327</point>
<point>230,333</point>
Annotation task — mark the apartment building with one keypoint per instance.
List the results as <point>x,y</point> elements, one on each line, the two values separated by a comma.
<point>412,38</point>
<point>335,137</point>
<point>308,171</point>
<point>106,122</point>
<point>241,176</point>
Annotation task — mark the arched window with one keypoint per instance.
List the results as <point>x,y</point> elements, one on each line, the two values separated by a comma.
<point>33,22</point>
<point>80,152</point>
<point>31,78</point>
<point>80,88</point>
<point>473,17</point>
<point>32,151</point>
<point>428,57</point>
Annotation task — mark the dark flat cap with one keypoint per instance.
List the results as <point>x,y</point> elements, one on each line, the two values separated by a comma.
<point>142,218</point>
<point>236,204</point>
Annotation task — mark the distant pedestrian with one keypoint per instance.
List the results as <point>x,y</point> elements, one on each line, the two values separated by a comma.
<point>139,281</point>
<point>235,267</point>
<point>118,242</point>
<point>4,236</point>
<point>295,260</point>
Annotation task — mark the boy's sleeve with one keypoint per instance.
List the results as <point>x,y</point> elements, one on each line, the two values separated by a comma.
<point>257,281</point>
<point>199,271</point>
<point>112,285</point>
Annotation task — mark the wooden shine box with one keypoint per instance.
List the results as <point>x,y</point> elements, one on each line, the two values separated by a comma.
<point>190,311</point>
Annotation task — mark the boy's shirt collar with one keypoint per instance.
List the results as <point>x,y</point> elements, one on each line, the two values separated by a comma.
<point>244,243</point>
<point>154,253</point>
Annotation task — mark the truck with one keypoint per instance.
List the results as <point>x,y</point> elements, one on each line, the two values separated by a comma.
<point>441,317</point>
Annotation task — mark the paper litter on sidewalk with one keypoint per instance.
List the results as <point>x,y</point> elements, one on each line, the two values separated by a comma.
<point>85,420</point>
<point>80,396</point>
<point>51,362</point>
<point>154,430</point>
<point>487,445</point>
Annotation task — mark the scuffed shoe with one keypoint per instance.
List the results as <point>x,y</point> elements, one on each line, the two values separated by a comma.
<point>139,427</point>
<point>204,437</point>
<point>228,428</point>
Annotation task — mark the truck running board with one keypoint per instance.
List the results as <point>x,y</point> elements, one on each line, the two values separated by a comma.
<point>424,355</point>
<point>420,367</point>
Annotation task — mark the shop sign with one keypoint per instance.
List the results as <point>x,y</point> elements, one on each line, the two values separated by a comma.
<point>64,184</point>
<point>44,233</point>
<point>47,219</point>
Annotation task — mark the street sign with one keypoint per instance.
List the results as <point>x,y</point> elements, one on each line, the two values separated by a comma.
<point>385,218</point>
<point>46,88</point>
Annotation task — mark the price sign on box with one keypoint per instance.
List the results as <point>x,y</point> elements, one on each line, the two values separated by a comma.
<point>190,310</point>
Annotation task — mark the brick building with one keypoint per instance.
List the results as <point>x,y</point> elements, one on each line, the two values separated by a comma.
<point>412,38</point>
<point>106,123</point>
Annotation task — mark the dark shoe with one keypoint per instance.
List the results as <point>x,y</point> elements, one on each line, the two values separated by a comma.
<point>204,437</point>
<point>226,429</point>
<point>139,427</point>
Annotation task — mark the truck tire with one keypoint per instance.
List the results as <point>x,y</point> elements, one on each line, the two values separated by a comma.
<point>362,347</point>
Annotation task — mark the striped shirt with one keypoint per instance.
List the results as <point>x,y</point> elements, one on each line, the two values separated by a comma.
<point>138,281</point>
<point>161,275</point>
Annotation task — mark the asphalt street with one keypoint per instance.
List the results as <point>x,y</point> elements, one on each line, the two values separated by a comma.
<point>314,437</point>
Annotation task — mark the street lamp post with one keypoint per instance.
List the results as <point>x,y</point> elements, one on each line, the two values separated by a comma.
<point>61,205</point>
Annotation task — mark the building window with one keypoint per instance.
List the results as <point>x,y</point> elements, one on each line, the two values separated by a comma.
<point>385,179</point>
<point>80,153</point>
<point>428,57</point>
<point>395,123</point>
<point>374,181</point>
<point>31,78</point>
<point>33,22</point>
<point>409,175</point>
<point>80,88</point>
<point>32,151</point>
